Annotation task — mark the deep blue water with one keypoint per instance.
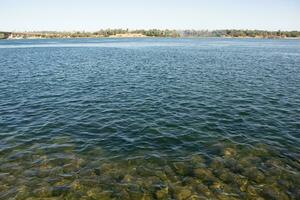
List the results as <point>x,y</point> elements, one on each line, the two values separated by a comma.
<point>99,118</point>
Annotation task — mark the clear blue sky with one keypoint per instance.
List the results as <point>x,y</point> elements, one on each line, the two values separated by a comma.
<point>90,15</point>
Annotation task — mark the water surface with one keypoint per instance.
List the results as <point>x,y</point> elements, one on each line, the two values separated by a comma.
<point>150,119</point>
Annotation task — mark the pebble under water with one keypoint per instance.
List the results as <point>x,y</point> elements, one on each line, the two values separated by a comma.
<point>150,119</point>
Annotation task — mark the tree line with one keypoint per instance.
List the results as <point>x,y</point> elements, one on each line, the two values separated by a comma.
<point>159,33</point>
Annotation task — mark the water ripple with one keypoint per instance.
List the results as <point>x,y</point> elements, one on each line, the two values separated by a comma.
<point>150,119</point>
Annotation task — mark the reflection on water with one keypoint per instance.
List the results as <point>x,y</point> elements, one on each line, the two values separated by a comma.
<point>150,119</point>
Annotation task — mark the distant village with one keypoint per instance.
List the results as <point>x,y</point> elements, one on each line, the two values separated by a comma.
<point>151,33</point>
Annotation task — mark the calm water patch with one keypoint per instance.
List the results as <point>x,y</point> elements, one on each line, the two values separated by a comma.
<point>150,119</point>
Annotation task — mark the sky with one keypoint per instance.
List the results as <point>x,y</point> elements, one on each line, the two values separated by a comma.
<point>92,15</point>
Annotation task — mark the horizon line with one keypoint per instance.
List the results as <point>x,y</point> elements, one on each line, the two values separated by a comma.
<point>135,29</point>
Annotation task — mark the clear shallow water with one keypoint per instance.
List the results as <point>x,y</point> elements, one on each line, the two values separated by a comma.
<point>150,119</point>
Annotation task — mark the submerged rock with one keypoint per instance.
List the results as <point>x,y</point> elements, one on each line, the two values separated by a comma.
<point>151,181</point>
<point>203,189</point>
<point>75,185</point>
<point>216,185</point>
<point>7,178</point>
<point>106,168</point>
<point>105,195</point>
<point>123,194</point>
<point>146,196</point>
<point>236,175</point>
<point>241,182</point>
<point>197,160</point>
<point>162,193</point>
<point>161,175</point>
<point>225,175</point>
<point>204,174</point>
<point>233,165</point>
<point>128,178</point>
<point>170,174</point>
<point>23,192</point>
<point>229,152</point>
<point>181,168</point>
<point>97,172</point>
<point>254,174</point>
<point>143,171</point>
<point>217,163</point>
<point>48,198</point>
<point>60,190</point>
<point>94,193</point>
<point>273,193</point>
<point>44,191</point>
<point>249,161</point>
<point>224,196</point>
<point>252,190</point>
<point>97,193</point>
<point>136,195</point>
<point>191,181</point>
<point>182,193</point>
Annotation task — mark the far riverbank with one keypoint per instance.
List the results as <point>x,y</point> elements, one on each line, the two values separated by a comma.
<point>125,33</point>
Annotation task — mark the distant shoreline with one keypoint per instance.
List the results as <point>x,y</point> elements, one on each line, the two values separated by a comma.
<point>154,33</point>
<point>123,37</point>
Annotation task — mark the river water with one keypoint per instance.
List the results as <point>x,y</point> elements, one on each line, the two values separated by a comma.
<point>150,119</point>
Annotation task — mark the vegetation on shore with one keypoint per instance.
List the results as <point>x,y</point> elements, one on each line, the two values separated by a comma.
<point>153,33</point>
